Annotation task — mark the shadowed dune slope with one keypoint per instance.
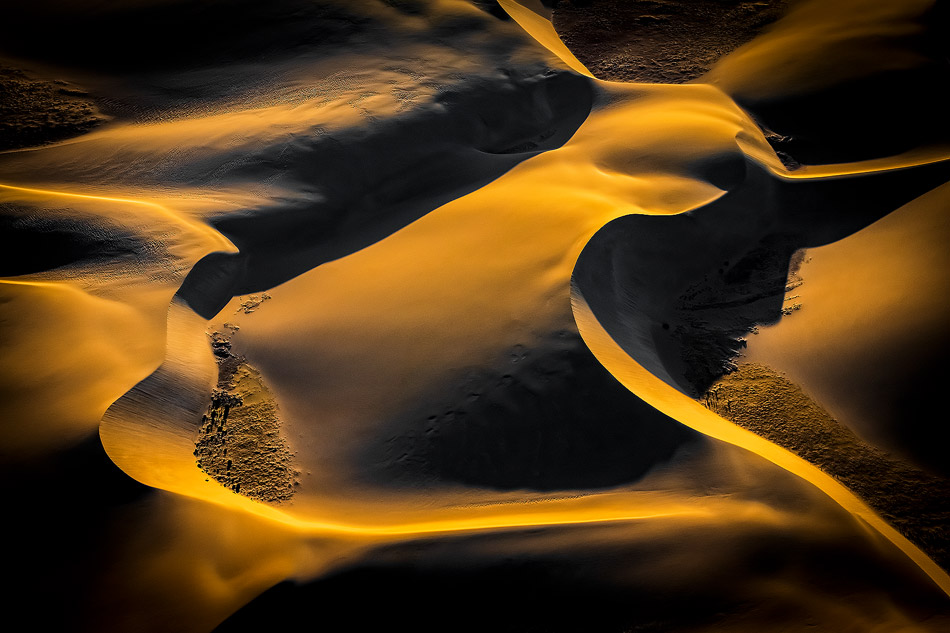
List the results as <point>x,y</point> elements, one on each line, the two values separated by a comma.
<point>549,417</point>
<point>915,501</point>
<point>493,284</point>
<point>371,185</point>
<point>871,340</point>
<point>635,577</point>
<point>829,82</point>
<point>849,80</point>
<point>680,293</point>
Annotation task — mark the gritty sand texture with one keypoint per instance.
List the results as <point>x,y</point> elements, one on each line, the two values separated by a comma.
<point>915,501</point>
<point>36,111</point>
<point>239,441</point>
<point>659,41</point>
<point>390,303</point>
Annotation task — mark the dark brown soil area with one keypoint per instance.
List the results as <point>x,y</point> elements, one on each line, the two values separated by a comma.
<point>914,501</point>
<point>35,111</point>
<point>658,41</point>
<point>239,441</point>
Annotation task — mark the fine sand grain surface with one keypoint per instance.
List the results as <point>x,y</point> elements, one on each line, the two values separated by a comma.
<point>383,314</point>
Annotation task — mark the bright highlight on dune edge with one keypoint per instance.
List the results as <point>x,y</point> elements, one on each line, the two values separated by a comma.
<point>691,413</point>
<point>399,304</point>
<point>541,30</point>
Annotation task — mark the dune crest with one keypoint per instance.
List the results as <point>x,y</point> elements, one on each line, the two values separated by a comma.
<point>394,295</point>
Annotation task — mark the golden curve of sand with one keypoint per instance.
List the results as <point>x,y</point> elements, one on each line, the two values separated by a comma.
<point>636,153</point>
<point>598,173</point>
<point>699,114</point>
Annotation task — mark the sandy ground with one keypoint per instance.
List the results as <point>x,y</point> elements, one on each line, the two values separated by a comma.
<point>385,312</point>
<point>659,41</point>
<point>239,441</point>
<point>767,403</point>
<point>35,111</point>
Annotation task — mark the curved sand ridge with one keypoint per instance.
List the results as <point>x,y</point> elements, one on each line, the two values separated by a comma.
<point>668,320</point>
<point>348,348</point>
<point>472,342</point>
<point>743,178</point>
<point>108,298</point>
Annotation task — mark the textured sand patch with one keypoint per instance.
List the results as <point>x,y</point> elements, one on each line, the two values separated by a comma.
<point>239,441</point>
<point>914,501</point>
<point>36,111</point>
<point>658,41</point>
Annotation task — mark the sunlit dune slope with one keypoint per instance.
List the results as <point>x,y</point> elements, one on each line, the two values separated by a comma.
<point>463,294</point>
<point>870,340</point>
<point>338,358</point>
<point>95,287</point>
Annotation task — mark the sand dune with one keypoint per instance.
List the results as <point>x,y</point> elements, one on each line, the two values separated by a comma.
<point>882,73</point>
<point>392,304</point>
<point>878,379</point>
<point>725,265</point>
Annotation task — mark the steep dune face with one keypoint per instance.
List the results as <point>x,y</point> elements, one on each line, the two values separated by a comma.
<point>871,339</point>
<point>726,264</point>
<point>393,297</point>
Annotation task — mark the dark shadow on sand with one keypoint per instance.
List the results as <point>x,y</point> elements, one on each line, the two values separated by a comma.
<point>546,418</point>
<point>679,293</point>
<point>62,509</point>
<point>364,185</point>
<point>519,597</point>
<point>33,244</point>
<point>591,580</point>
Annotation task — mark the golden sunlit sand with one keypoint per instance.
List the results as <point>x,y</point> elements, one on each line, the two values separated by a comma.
<point>392,314</point>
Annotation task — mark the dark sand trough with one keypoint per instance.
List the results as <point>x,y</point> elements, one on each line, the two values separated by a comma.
<point>360,187</point>
<point>680,293</point>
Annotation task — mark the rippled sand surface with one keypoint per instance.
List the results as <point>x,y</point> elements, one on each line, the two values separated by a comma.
<point>363,315</point>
